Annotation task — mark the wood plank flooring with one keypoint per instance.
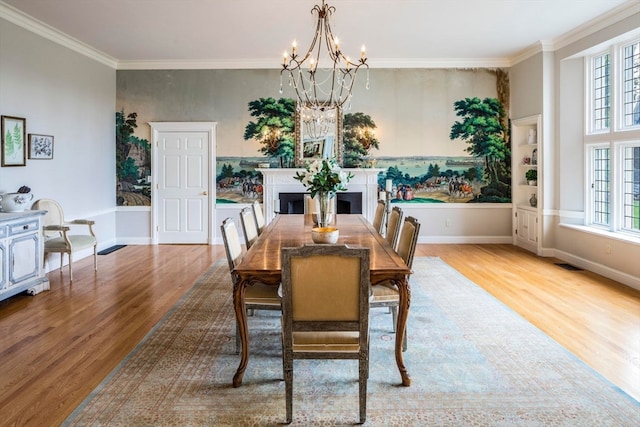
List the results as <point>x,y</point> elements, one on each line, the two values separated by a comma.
<point>56,347</point>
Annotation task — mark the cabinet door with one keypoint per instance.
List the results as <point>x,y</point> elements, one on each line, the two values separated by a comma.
<point>23,258</point>
<point>532,227</point>
<point>528,226</point>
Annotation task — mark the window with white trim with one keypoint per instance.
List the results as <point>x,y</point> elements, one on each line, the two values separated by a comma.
<point>612,139</point>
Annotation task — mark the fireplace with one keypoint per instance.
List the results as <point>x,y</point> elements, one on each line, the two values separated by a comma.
<point>282,193</point>
<point>294,203</point>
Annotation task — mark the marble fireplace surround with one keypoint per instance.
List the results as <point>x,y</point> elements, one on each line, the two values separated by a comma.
<point>276,181</point>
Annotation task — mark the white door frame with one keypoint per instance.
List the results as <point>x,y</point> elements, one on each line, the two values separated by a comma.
<point>156,129</point>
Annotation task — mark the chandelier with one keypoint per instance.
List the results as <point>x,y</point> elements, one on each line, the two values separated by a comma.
<point>322,82</point>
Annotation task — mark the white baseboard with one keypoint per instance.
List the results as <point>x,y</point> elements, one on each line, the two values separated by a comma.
<point>460,240</point>
<point>600,269</point>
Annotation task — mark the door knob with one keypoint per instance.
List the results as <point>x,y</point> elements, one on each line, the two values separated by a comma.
<point>204,193</point>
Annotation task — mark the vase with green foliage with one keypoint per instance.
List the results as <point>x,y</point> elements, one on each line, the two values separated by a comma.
<point>323,178</point>
<point>274,128</point>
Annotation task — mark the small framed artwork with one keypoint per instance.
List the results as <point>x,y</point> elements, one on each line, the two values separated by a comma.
<point>40,146</point>
<point>14,151</point>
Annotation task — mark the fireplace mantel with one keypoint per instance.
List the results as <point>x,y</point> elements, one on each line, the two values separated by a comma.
<point>278,181</point>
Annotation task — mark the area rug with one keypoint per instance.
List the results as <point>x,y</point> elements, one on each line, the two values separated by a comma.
<point>473,362</point>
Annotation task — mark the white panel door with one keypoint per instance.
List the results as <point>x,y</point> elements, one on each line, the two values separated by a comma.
<point>182,183</point>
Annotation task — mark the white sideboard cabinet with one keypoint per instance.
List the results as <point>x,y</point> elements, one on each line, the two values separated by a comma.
<point>21,253</point>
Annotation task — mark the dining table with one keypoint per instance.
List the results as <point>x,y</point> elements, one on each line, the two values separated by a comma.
<point>261,264</point>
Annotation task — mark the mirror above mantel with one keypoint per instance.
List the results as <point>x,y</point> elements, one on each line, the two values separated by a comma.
<point>318,135</point>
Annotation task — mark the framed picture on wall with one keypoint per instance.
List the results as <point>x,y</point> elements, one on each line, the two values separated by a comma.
<point>40,146</point>
<point>14,152</point>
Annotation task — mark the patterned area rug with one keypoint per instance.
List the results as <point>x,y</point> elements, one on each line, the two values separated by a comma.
<point>473,362</point>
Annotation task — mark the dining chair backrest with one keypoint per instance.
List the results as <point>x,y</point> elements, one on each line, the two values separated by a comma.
<point>408,240</point>
<point>232,245</point>
<point>325,316</point>
<point>386,294</point>
<point>249,227</point>
<point>258,216</point>
<point>378,219</point>
<point>393,226</point>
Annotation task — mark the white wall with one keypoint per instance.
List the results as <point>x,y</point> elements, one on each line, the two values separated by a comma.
<point>603,253</point>
<point>67,95</point>
<point>552,84</point>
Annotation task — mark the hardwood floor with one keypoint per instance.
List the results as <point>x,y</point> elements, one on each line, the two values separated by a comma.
<point>56,347</point>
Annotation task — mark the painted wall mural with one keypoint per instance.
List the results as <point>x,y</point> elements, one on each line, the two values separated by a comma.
<point>412,114</point>
<point>482,177</point>
<point>133,163</point>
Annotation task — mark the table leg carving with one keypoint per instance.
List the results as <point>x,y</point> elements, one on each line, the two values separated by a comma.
<point>403,312</point>
<point>241,317</point>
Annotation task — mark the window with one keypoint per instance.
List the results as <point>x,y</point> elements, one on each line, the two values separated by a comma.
<point>613,139</point>
<point>631,85</point>
<point>601,191</point>
<point>631,188</point>
<point>601,88</point>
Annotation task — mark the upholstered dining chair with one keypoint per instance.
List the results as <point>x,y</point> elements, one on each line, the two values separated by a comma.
<point>258,296</point>
<point>378,218</point>
<point>249,226</point>
<point>259,216</point>
<point>65,237</point>
<point>393,226</point>
<point>386,294</point>
<point>325,316</point>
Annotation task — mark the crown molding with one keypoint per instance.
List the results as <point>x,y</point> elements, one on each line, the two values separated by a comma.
<point>468,63</point>
<point>46,31</point>
<point>615,15</point>
<point>270,63</point>
<point>199,64</point>
<point>534,49</point>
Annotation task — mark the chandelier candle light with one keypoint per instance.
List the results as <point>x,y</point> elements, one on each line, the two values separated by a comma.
<point>322,82</point>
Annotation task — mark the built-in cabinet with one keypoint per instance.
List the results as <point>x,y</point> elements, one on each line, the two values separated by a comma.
<point>21,253</point>
<point>526,180</point>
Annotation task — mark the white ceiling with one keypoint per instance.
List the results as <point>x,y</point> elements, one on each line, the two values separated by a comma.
<point>254,33</point>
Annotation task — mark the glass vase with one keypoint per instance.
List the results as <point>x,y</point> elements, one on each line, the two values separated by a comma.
<point>324,216</point>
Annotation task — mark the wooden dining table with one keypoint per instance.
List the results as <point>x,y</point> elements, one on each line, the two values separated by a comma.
<point>261,264</point>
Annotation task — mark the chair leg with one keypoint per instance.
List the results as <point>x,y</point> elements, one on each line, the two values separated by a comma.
<point>394,313</point>
<point>362,390</point>
<point>70,270</point>
<point>288,387</point>
<point>95,258</point>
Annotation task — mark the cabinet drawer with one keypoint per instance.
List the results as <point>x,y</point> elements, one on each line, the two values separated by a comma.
<point>23,227</point>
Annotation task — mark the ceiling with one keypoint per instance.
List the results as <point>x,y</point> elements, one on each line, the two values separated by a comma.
<point>254,33</point>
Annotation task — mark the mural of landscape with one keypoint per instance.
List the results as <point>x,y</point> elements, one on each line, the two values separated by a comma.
<point>420,179</point>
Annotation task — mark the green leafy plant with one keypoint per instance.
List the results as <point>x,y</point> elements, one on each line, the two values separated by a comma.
<point>531,175</point>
